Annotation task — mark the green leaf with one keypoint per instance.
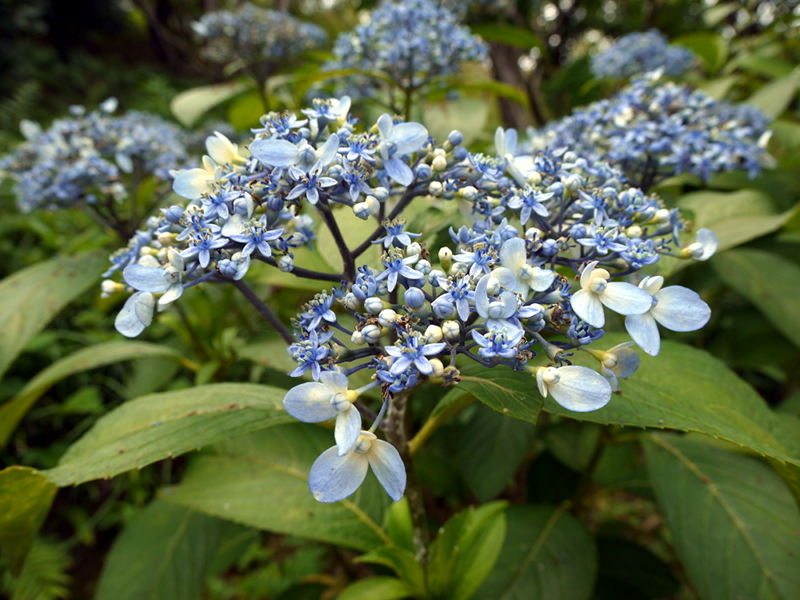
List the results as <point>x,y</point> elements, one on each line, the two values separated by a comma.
<point>261,480</point>
<point>44,575</point>
<point>776,96</point>
<point>399,525</point>
<point>465,551</point>
<point>509,35</point>
<point>402,562</point>
<point>165,551</point>
<point>513,394</point>
<point>714,14</point>
<point>468,115</point>
<point>33,296</point>
<point>547,555</point>
<point>190,105</point>
<point>376,588</point>
<point>99,355</point>
<point>764,65</point>
<point>163,425</point>
<point>245,111</point>
<point>735,525</point>
<point>735,217</point>
<point>25,499</point>
<point>502,90</point>
<point>710,47</point>
<point>572,443</point>
<point>687,389</point>
<point>767,280</point>
<point>270,354</point>
<point>719,88</point>
<point>493,447</point>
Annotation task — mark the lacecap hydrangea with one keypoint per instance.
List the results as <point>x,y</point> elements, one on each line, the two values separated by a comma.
<point>86,158</point>
<point>550,245</point>
<point>642,52</point>
<point>251,34</point>
<point>411,43</point>
<point>652,130</point>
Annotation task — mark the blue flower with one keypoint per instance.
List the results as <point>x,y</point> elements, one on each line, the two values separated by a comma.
<point>596,291</point>
<point>397,265</point>
<point>458,294</point>
<point>334,477</point>
<point>398,141</point>
<point>257,236</point>
<point>310,352</point>
<point>501,343</point>
<point>640,53</point>
<point>575,388</point>
<point>410,350</point>
<point>395,234</point>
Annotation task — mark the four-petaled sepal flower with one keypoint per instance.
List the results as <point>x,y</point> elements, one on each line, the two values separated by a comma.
<point>575,388</point>
<point>334,477</point>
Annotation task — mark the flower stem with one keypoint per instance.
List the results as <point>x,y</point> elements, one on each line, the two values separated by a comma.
<point>265,311</point>
<point>397,435</point>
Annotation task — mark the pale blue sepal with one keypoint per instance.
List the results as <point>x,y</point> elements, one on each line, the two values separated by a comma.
<point>580,389</point>
<point>191,183</point>
<point>610,377</point>
<point>588,307</point>
<point>680,309</point>
<point>398,170</point>
<point>644,331</point>
<point>627,360</point>
<point>234,225</point>
<point>481,299</point>
<point>124,162</point>
<point>506,278</point>
<point>542,280</point>
<point>146,279</point>
<point>625,298</point>
<point>409,137</point>
<point>513,254</point>
<point>136,314</point>
<point>333,477</point>
<point>328,151</point>
<point>385,126</point>
<point>388,468</point>
<point>310,402</point>
<point>275,153</point>
<point>174,292</point>
<point>708,242</point>
<point>348,427</point>
<point>335,380</point>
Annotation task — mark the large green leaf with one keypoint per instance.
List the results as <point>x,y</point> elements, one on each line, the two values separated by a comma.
<point>776,96</point>
<point>513,394</point>
<point>165,551</point>
<point>493,447</point>
<point>509,35</point>
<point>92,357</point>
<point>25,499</point>
<point>767,280</point>
<point>734,523</point>
<point>688,389</point>
<point>376,588</point>
<point>466,114</point>
<point>710,47</point>
<point>158,426</point>
<point>190,105</point>
<point>547,555</point>
<point>466,549</point>
<point>33,296</point>
<point>261,480</point>
<point>735,217</point>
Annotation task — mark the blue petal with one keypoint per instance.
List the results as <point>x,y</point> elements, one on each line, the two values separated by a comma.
<point>136,314</point>
<point>310,402</point>
<point>328,150</point>
<point>409,137</point>
<point>191,183</point>
<point>644,331</point>
<point>275,153</point>
<point>333,477</point>
<point>348,427</point>
<point>399,171</point>
<point>626,298</point>
<point>385,126</point>
<point>580,389</point>
<point>680,309</point>
<point>587,306</point>
<point>146,279</point>
<point>335,380</point>
<point>388,468</point>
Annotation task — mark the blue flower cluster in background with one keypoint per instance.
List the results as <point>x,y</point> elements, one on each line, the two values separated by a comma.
<point>651,130</point>
<point>86,158</point>
<point>410,42</point>
<point>251,34</point>
<point>548,248</point>
<point>638,53</point>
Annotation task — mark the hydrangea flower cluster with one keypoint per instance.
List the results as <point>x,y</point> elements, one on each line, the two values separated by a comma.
<point>550,244</point>
<point>410,42</point>
<point>652,130</point>
<point>85,158</point>
<point>254,34</point>
<point>642,52</point>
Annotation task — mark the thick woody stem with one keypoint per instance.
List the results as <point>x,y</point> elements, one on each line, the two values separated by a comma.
<point>397,434</point>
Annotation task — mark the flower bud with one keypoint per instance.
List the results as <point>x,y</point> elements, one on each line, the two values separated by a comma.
<point>414,297</point>
<point>435,188</point>
<point>351,301</point>
<point>373,305</point>
<point>451,329</point>
<point>413,249</point>
<point>437,366</point>
<point>357,338</point>
<point>433,334</point>
<point>439,163</point>
<point>455,137</point>
<point>371,333</point>
<point>286,263</point>
<point>380,193</point>
<point>387,317</point>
